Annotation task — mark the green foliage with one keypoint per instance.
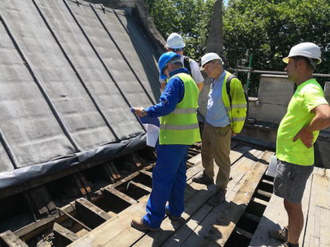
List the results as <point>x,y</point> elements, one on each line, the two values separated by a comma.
<point>266,28</point>
<point>189,18</point>
<point>269,28</point>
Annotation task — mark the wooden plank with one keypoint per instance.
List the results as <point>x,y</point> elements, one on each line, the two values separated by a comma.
<point>84,182</point>
<point>130,235</point>
<point>136,159</point>
<point>264,193</point>
<point>226,222</point>
<point>90,214</point>
<point>112,171</point>
<point>63,236</point>
<point>259,201</point>
<point>116,200</point>
<point>251,217</point>
<point>46,179</point>
<point>79,184</point>
<point>242,232</point>
<point>114,168</point>
<point>42,200</point>
<point>121,195</point>
<point>9,239</point>
<point>196,159</point>
<point>113,227</point>
<point>191,206</point>
<point>82,232</point>
<point>121,223</point>
<point>139,185</point>
<point>316,232</point>
<point>191,234</point>
<point>108,172</point>
<point>275,217</point>
<point>146,173</point>
<point>106,232</point>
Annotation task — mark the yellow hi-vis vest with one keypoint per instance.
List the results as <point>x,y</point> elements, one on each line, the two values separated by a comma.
<point>181,125</point>
<point>237,109</point>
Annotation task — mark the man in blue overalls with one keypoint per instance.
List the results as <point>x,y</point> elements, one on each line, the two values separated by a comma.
<point>178,130</point>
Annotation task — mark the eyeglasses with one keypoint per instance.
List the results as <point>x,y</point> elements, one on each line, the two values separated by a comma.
<point>175,50</point>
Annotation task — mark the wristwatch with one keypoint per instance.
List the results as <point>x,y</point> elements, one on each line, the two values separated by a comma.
<point>144,113</point>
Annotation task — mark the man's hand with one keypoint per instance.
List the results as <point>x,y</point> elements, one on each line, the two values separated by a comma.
<point>305,136</point>
<point>233,133</point>
<point>140,111</point>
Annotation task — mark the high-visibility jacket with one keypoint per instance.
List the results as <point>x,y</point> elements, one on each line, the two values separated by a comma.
<point>181,126</point>
<point>237,109</point>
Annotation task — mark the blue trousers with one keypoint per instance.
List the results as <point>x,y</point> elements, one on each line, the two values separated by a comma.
<point>168,184</point>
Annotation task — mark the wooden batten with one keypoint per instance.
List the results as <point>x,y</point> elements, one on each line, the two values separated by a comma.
<point>140,186</point>
<point>90,214</point>
<point>116,199</point>
<point>63,236</point>
<point>147,173</point>
<point>84,183</point>
<point>136,159</point>
<point>244,233</point>
<point>9,239</point>
<point>79,185</point>
<point>42,200</point>
<point>222,229</point>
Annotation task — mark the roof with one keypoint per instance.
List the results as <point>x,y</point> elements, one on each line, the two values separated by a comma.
<point>70,73</point>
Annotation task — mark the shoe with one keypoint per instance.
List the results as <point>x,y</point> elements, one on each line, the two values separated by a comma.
<point>280,235</point>
<point>203,179</point>
<point>218,198</point>
<point>137,223</point>
<point>172,217</point>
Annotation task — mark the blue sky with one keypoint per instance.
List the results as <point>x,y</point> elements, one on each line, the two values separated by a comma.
<point>225,2</point>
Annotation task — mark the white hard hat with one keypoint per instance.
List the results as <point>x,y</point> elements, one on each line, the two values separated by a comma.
<point>208,57</point>
<point>306,49</point>
<point>175,41</point>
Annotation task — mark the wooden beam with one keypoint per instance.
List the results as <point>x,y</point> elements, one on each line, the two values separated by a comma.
<point>146,173</point>
<point>9,239</point>
<point>90,214</point>
<point>252,217</point>
<point>265,193</point>
<point>201,214</point>
<point>63,236</point>
<point>117,200</point>
<point>42,201</point>
<point>108,172</point>
<point>113,170</point>
<point>244,233</point>
<point>46,179</point>
<point>136,159</point>
<point>259,201</point>
<point>79,185</point>
<point>140,186</point>
<point>84,183</point>
<point>227,221</point>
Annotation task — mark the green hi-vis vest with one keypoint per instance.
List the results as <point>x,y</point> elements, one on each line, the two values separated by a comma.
<point>237,109</point>
<point>181,125</point>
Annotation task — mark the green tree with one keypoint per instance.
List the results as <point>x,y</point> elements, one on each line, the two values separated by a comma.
<point>269,28</point>
<point>189,18</point>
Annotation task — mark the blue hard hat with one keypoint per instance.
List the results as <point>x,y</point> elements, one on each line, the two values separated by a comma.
<point>163,60</point>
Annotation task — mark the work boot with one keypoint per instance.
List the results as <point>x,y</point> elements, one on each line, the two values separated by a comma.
<point>203,179</point>
<point>280,235</point>
<point>138,223</point>
<point>218,198</point>
<point>172,217</point>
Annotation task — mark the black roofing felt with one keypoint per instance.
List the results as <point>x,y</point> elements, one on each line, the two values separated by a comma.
<point>69,75</point>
